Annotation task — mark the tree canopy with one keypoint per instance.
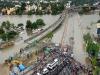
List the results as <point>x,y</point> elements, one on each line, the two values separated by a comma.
<point>40,22</point>
<point>34,25</point>
<point>29,25</point>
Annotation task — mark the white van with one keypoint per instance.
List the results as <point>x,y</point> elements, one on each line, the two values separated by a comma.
<point>52,65</point>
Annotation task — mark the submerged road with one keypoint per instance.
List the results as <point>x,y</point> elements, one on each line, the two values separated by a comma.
<point>73,30</point>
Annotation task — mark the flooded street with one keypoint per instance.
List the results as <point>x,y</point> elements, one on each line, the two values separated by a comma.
<point>48,19</point>
<point>75,28</point>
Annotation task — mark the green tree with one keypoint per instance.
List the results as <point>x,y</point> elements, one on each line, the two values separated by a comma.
<point>19,11</point>
<point>54,9</point>
<point>29,25</point>
<point>96,71</point>
<point>50,35</point>
<point>30,12</point>
<point>1,31</point>
<point>40,22</point>
<point>23,5</point>
<point>4,37</point>
<point>98,21</point>
<point>34,25</point>
<point>7,25</point>
<point>92,49</point>
<point>87,38</point>
<point>9,35</point>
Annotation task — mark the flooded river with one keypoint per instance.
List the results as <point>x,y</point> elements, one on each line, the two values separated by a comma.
<point>48,19</point>
<point>76,27</point>
<point>84,21</point>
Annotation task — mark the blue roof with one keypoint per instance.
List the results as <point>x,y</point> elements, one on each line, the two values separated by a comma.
<point>21,67</point>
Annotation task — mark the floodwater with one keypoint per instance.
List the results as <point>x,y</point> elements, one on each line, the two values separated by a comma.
<point>76,27</point>
<point>5,53</point>
<point>72,30</point>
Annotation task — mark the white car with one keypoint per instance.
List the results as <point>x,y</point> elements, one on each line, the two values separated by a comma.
<point>38,74</point>
<point>45,70</point>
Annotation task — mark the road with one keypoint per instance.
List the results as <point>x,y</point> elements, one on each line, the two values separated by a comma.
<point>73,30</point>
<point>78,50</point>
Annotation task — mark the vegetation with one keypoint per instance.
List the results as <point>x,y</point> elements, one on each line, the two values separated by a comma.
<point>9,35</point>
<point>29,25</point>
<point>87,38</point>
<point>2,31</point>
<point>34,25</point>
<point>40,22</point>
<point>46,8</point>
<point>86,9</point>
<point>20,25</point>
<point>20,10</point>
<point>98,21</point>
<point>50,35</point>
<point>30,12</point>
<point>57,8</point>
<point>93,50</point>
<point>7,31</point>
<point>96,71</point>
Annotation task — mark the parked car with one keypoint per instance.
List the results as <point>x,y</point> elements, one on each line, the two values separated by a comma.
<point>38,74</point>
<point>45,70</point>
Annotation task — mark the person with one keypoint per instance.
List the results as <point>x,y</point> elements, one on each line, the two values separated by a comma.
<point>21,50</point>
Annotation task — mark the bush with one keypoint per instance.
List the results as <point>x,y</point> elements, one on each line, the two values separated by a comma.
<point>98,21</point>
<point>29,25</point>
<point>40,22</point>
